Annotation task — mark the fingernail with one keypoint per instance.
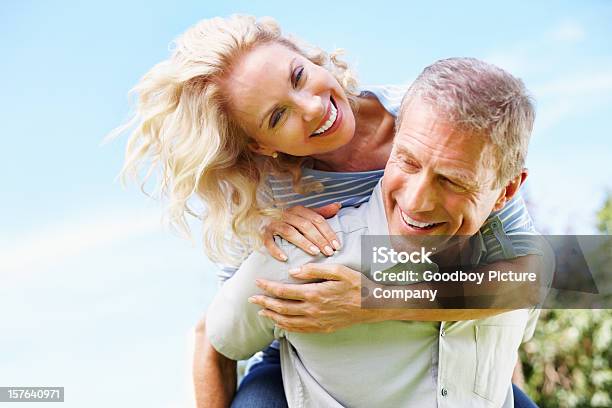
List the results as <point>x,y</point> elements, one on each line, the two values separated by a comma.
<point>283,257</point>
<point>314,250</point>
<point>336,244</point>
<point>328,250</point>
<point>251,299</point>
<point>257,282</point>
<point>293,271</point>
<point>261,313</point>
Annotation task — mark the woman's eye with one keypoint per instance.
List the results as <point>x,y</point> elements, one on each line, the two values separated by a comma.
<point>276,117</point>
<point>298,75</point>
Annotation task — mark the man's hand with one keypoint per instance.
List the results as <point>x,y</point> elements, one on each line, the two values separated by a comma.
<point>321,307</point>
<point>327,306</point>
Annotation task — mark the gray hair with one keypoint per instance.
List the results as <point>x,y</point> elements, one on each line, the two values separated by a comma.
<point>480,98</point>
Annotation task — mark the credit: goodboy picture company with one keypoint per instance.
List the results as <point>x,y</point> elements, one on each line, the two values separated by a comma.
<point>383,255</point>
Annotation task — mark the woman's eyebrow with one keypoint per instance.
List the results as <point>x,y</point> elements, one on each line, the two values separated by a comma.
<point>273,108</point>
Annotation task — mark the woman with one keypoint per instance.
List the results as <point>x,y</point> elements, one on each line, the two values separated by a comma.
<point>249,122</point>
<point>199,121</point>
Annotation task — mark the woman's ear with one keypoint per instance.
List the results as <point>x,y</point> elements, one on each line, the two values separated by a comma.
<point>510,190</point>
<point>260,149</point>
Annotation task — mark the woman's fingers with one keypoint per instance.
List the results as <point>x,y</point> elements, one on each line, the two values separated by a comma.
<point>289,233</point>
<point>273,249</point>
<point>312,231</point>
<point>306,229</point>
<point>314,227</point>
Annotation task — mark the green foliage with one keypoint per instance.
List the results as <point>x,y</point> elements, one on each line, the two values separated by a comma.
<point>604,216</point>
<point>568,363</point>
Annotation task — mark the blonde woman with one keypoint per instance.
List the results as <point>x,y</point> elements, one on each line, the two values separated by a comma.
<point>249,121</point>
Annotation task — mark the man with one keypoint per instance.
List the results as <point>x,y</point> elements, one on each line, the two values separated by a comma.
<point>458,157</point>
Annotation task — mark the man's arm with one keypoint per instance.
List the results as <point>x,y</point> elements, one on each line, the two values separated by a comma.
<point>214,375</point>
<point>232,330</point>
<point>336,302</point>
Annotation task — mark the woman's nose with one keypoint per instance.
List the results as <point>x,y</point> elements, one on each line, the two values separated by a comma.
<point>312,107</point>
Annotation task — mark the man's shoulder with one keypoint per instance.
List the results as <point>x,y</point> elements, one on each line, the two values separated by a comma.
<point>260,265</point>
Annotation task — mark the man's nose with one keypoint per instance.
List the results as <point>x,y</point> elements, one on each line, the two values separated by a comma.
<point>420,195</point>
<point>312,107</point>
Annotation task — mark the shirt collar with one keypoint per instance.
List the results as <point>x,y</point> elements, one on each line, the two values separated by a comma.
<point>375,213</point>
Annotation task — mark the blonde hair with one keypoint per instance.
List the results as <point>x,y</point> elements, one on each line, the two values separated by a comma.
<point>181,130</point>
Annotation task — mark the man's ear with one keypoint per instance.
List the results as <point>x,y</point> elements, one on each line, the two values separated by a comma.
<point>260,149</point>
<point>510,190</point>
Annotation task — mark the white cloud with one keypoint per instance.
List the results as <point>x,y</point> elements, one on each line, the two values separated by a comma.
<point>551,114</point>
<point>570,95</point>
<point>568,32</point>
<point>53,244</point>
<point>588,82</point>
<point>539,53</point>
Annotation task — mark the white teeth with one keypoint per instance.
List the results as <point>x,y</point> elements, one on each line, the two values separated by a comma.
<point>329,122</point>
<point>415,223</point>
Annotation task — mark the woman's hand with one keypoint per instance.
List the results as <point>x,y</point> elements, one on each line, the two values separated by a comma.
<point>304,227</point>
<point>321,307</point>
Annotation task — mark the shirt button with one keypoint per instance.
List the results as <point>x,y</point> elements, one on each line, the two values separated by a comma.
<point>444,392</point>
<point>442,332</point>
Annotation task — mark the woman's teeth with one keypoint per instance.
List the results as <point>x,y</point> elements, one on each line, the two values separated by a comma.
<point>329,122</point>
<point>415,223</point>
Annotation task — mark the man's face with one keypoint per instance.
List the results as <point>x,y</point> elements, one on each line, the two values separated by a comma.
<point>436,181</point>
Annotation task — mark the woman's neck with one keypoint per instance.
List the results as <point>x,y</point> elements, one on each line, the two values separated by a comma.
<point>371,145</point>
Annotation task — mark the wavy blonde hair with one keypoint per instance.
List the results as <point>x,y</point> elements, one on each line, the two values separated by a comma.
<point>182,131</point>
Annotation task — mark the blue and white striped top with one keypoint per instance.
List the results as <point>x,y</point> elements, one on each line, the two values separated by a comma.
<point>355,188</point>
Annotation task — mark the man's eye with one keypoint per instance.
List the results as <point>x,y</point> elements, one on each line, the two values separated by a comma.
<point>299,71</point>
<point>409,165</point>
<point>276,117</point>
<point>452,184</point>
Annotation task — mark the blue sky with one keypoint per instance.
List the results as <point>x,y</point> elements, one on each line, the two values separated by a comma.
<point>94,294</point>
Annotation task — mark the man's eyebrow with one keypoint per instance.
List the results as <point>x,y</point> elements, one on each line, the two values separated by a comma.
<point>402,151</point>
<point>273,108</point>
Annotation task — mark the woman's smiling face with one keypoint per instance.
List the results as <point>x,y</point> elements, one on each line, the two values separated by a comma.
<point>288,104</point>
